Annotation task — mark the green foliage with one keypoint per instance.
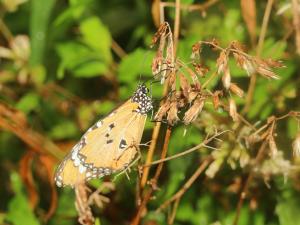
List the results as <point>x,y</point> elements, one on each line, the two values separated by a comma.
<point>19,211</point>
<point>88,56</point>
<point>39,22</point>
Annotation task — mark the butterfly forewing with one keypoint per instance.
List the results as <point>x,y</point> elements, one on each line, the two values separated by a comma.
<point>109,145</point>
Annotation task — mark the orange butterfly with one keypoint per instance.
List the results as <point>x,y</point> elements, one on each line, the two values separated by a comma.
<point>109,145</point>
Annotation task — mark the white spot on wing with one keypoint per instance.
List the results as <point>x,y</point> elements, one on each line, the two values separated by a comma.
<point>82,168</point>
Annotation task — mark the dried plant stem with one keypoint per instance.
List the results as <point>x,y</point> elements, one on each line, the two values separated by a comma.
<point>9,120</point>
<point>261,40</point>
<point>118,49</point>
<point>296,22</point>
<point>173,213</point>
<point>5,31</point>
<point>154,180</point>
<point>187,185</point>
<point>157,126</point>
<point>82,205</point>
<point>176,25</point>
<point>150,153</point>
<point>243,194</point>
<point>209,79</point>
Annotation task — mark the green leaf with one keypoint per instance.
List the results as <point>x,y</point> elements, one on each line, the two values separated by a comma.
<point>39,21</point>
<point>74,11</point>
<point>96,35</point>
<point>85,63</point>
<point>66,129</point>
<point>273,49</point>
<point>132,68</point>
<point>29,102</point>
<point>19,211</point>
<point>288,211</point>
<point>65,213</point>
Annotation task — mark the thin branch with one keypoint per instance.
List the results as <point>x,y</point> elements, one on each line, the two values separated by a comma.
<point>187,185</point>
<point>197,147</point>
<point>5,31</point>
<point>296,23</point>
<point>118,49</point>
<point>176,25</point>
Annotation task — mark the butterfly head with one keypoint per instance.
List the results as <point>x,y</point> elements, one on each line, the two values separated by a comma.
<point>145,102</point>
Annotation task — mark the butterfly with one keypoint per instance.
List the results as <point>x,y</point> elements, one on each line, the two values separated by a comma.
<point>109,145</point>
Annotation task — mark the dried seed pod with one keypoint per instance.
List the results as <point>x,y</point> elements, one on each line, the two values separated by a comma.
<point>226,78</point>
<point>272,146</point>
<point>216,99</point>
<point>232,110</point>
<point>266,72</point>
<point>248,67</point>
<point>222,62</point>
<point>296,146</point>
<point>172,117</point>
<point>236,90</point>
<point>194,111</point>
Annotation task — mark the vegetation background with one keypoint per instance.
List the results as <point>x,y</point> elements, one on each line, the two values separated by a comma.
<point>65,64</point>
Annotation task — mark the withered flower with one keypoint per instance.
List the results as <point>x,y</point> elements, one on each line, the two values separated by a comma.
<point>194,111</point>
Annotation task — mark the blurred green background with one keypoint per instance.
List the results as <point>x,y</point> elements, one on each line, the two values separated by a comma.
<point>65,64</point>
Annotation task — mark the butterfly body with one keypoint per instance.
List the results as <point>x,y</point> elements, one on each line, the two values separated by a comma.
<point>109,145</point>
